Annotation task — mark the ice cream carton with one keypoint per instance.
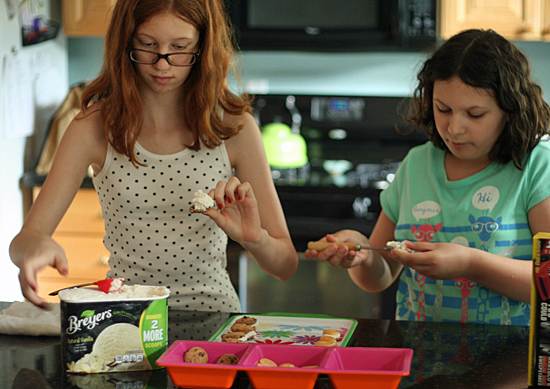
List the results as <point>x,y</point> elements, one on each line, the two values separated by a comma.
<point>113,332</point>
<point>539,337</point>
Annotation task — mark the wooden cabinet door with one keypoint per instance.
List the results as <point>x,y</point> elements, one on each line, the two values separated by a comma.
<point>86,17</point>
<point>80,233</point>
<point>545,19</point>
<point>514,19</point>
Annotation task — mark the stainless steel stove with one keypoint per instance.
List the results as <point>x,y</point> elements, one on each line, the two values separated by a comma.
<point>354,146</point>
<point>353,150</point>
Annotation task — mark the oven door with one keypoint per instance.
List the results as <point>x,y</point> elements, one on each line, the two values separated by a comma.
<point>313,212</point>
<point>315,288</point>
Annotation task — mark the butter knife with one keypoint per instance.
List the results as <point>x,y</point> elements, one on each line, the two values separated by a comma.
<point>319,246</point>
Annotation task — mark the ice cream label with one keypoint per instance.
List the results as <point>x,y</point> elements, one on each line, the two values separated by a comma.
<point>154,330</point>
<point>110,336</point>
<point>149,379</point>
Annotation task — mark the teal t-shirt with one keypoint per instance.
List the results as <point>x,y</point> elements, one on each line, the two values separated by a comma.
<point>486,211</point>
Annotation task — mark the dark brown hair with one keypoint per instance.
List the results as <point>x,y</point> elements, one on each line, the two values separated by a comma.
<point>207,94</point>
<point>484,59</point>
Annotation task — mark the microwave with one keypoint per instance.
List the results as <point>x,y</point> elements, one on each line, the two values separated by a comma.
<point>334,25</point>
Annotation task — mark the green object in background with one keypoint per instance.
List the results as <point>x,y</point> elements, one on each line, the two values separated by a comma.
<point>283,148</point>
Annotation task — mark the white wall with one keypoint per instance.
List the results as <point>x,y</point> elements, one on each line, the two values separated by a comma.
<point>11,169</point>
<point>49,74</point>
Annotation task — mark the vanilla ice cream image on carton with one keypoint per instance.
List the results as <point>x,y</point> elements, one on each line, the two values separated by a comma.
<point>126,330</point>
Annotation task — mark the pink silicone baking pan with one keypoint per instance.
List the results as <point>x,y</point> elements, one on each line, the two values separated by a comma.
<point>346,367</point>
<point>308,362</point>
<point>194,375</point>
<point>354,367</point>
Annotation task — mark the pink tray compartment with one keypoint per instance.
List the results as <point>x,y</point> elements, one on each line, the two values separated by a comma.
<point>194,375</point>
<point>265,377</point>
<point>303,356</point>
<point>347,367</point>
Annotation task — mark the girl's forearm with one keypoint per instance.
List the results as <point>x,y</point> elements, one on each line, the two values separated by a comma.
<point>507,276</point>
<point>16,250</point>
<point>373,275</point>
<point>21,244</point>
<point>275,256</point>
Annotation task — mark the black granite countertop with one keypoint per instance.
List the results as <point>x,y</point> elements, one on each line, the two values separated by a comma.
<point>446,355</point>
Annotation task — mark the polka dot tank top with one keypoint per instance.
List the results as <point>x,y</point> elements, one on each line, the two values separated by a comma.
<point>152,237</point>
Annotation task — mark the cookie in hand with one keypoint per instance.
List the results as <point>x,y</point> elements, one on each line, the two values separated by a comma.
<point>201,202</point>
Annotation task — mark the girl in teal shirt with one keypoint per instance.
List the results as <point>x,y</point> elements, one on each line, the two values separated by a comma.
<point>468,202</point>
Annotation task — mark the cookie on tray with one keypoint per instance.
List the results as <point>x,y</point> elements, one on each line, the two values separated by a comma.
<point>246,320</point>
<point>266,362</point>
<point>332,333</point>
<point>195,355</point>
<point>233,337</point>
<point>241,327</point>
<point>228,359</point>
<point>325,344</point>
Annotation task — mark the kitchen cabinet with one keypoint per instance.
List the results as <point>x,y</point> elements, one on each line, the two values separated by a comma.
<point>513,19</point>
<point>80,233</point>
<point>86,18</point>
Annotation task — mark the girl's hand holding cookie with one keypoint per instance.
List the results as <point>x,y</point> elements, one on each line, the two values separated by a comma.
<point>443,261</point>
<point>238,215</point>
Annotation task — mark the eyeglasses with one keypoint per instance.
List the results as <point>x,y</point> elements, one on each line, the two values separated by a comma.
<point>174,59</point>
<point>478,227</point>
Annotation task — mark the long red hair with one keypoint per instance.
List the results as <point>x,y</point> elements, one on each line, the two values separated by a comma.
<point>207,94</point>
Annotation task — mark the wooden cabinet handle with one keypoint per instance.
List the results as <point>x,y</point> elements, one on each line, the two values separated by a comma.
<point>527,28</point>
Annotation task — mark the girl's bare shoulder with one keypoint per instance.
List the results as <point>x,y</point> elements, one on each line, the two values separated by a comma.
<point>249,138</point>
<point>86,136</point>
<point>232,119</point>
<point>245,121</point>
<point>89,124</point>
